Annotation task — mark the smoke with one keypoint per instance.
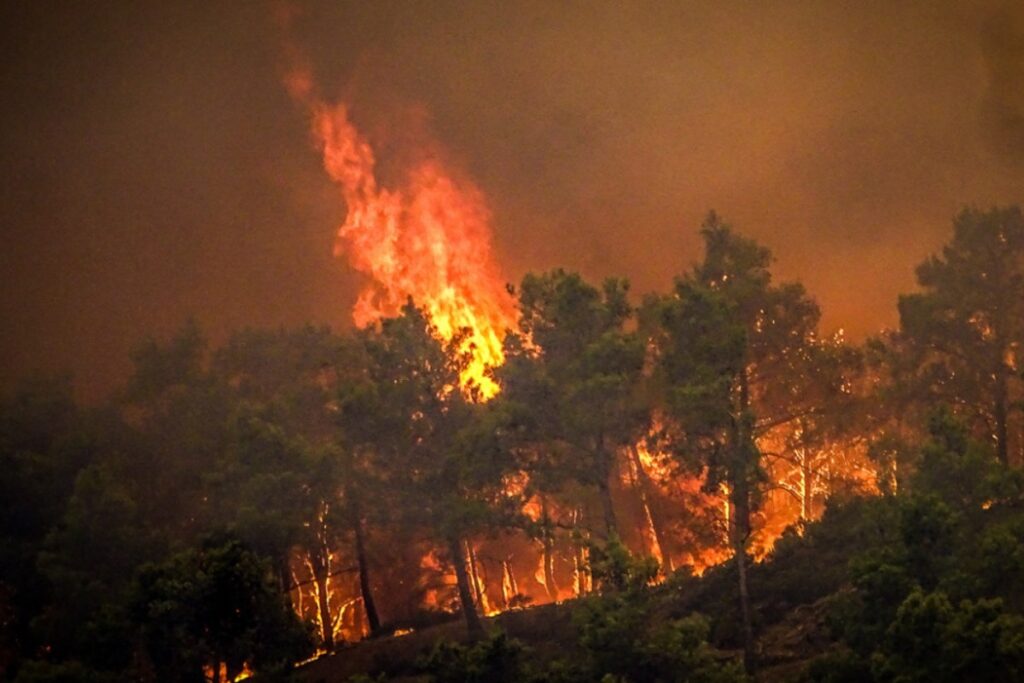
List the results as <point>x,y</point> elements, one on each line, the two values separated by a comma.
<point>842,135</point>
<point>1003,50</point>
<point>154,167</point>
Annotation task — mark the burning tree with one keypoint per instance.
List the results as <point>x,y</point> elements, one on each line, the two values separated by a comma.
<point>576,369</point>
<point>963,333</point>
<point>725,341</point>
<point>433,448</point>
<point>429,238</point>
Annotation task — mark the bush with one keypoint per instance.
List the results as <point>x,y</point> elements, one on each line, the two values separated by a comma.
<point>215,605</point>
<point>614,568</point>
<point>622,644</point>
<point>931,640</point>
<point>499,659</point>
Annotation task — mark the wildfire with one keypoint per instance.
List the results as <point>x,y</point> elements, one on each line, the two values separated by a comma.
<point>428,239</point>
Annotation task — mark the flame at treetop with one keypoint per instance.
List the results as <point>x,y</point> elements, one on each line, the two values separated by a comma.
<point>428,239</point>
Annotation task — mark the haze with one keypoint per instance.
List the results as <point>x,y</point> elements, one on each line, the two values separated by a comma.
<point>154,168</point>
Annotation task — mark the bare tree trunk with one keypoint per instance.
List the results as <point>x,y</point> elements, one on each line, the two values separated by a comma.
<point>369,605</point>
<point>1001,410</point>
<point>806,486</point>
<point>579,557</point>
<point>580,570</point>
<point>509,586</point>
<point>741,536</point>
<point>608,509</point>
<point>321,562</point>
<point>548,558</point>
<point>479,587</point>
<point>744,448</point>
<point>284,574</point>
<point>646,487</point>
<point>473,624</point>
<point>301,607</point>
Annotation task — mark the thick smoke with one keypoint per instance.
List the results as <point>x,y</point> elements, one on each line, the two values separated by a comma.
<point>154,168</point>
<point>1003,49</point>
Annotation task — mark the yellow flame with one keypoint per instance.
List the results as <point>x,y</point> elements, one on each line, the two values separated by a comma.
<point>429,239</point>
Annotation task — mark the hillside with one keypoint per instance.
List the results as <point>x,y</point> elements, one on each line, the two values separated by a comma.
<point>926,584</point>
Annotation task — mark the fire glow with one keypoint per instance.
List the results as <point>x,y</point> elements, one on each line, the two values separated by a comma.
<point>428,239</point>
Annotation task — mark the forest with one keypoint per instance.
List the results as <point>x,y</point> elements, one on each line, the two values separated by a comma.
<point>694,485</point>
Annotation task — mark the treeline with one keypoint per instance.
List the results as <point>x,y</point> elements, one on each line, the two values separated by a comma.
<point>235,509</point>
<point>923,584</point>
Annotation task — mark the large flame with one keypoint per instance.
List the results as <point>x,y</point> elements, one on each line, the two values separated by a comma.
<point>428,239</point>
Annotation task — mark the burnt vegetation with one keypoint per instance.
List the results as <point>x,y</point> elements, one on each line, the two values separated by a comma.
<point>709,486</point>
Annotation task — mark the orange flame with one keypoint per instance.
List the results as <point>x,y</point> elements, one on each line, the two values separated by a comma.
<point>429,239</point>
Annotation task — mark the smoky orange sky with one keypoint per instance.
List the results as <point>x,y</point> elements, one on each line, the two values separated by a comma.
<point>154,168</point>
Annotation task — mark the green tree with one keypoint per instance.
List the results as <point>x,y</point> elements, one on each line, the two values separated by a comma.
<point>178,415</point>
<point>818,436</point>
<point>965,328</point>
<point>498,659</point>
<point>435,451</point>
<point>90,559</point>
<point>623,643</point>
<point>573,374</point>
<point>216,609</point>
<point>931,640</point>
<point>45,441</point>
<point>727,342</point>
<point>285,480</point>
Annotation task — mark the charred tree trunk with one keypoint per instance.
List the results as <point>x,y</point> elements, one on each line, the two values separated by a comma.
<point>1001,410</point>
<point>646,488</point>
<point>579,556</point>
<point>474,625</point>
<point>479,588</point>
<point>611,526</point>
<point>284,578</point>
<point>743,450</point>
<point>369,605</point>
<point>740,539</point>
<point>321,562</point>
<point>548,558</point>
<point>806,486</point>
<point>509,586</point>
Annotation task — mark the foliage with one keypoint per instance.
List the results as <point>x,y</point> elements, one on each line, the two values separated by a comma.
<point>571,385</point>
<point>363,455</point>
<point>498,659</point>
<point>927,604</point>
<point>215,605</point>
<point>966,327</point>
<point>930,640</point>
<point>614,568</point>
<point>734,351</point>
<point>623,643</point>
